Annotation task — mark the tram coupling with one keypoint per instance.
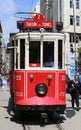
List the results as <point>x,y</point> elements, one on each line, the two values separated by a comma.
<point>44,116</point>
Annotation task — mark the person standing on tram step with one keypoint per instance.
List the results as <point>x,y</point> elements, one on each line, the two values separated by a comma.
<point>49,62</point>
<point>75,91</point>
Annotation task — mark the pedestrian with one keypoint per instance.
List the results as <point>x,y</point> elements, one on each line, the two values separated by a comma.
<point>75,91</point>
<point>1,81</point>
<point>79,78</point>
<point>7,81</point>
<point>67,81</point>
<point>4,82</point>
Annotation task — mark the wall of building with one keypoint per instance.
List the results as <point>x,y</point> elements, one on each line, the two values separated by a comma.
<point>67,11</point>
<point>61,12</point>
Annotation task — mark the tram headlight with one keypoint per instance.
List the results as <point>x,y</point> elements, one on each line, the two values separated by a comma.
<point>49,77</point>
<point>41,89</point>
<point>31,76</point>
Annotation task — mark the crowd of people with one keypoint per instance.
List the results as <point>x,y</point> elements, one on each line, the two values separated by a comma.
<point>74,89</point>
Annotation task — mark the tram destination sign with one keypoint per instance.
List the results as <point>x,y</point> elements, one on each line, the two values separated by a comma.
<point>38,22</point>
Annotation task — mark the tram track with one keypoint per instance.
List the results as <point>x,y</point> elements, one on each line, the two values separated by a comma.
<point>57,120</point>
<point>59,126</point>
<point>25,125</point>
<point>53,123</point>
<point>55,127</point>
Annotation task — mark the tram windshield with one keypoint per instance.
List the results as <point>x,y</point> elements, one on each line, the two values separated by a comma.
<point>34,54</point>
<point>48,54</point>
<point>41,54</point>
<point>47,58</point>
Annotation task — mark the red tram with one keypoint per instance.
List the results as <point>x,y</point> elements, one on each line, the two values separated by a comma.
<point>35,85</point>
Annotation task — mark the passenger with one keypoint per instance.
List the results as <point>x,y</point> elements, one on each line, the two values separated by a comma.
<point>49,62</point>
<point>75,90</point>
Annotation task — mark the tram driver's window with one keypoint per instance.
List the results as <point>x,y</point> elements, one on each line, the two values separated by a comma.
<point>16,55</point>
<point>12,56</point>
<point>34,54</point>
<point>22,53</point>
<point>48,54</point>
<point>60,54</point>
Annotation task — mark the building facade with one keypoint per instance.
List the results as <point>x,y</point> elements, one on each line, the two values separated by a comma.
<point>1,42</point>
<point>68,12</point>
<point>2,52</point>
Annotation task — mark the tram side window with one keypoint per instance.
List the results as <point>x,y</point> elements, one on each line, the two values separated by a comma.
<point>12,56</point>
<point>60,54</point>
<point>22,53</point>
<point>16,55</point>
<point>48,54</point>
<point>34,54</point>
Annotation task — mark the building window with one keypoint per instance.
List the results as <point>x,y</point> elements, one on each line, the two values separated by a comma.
<point>77,4</point>
<point>77,39</point>
<point>0,44</point>
<point>71,38</point>
<point>71,20</point>
<point>71,3</point>
<point>71,47</point>
<point>77,21</point>
<point>48,12</point>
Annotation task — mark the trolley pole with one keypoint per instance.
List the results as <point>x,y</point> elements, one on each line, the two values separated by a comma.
<point>74,37</point>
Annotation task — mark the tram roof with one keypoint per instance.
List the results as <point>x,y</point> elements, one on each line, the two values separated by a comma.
<point>37,34</point>
<point>25,34</point>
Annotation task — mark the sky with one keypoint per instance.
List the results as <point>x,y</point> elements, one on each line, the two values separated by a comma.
<point>7,10</point>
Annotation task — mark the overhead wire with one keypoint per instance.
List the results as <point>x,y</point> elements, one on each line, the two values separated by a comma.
<point>32,8</point>
<point>31,5</point>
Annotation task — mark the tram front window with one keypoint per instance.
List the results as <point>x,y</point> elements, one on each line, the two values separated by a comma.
<point>48,54</point>
<point>34,54</point>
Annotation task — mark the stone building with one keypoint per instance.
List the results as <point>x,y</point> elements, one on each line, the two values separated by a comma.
<point>68,12</point>
<point>2,52</point>
<point>1,40</point>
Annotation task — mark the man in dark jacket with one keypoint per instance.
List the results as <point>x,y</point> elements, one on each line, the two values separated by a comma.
<point>75,91</point>
<point>79,78</point>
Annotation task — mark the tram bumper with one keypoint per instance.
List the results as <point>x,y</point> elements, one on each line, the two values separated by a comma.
<point>41,104</point>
